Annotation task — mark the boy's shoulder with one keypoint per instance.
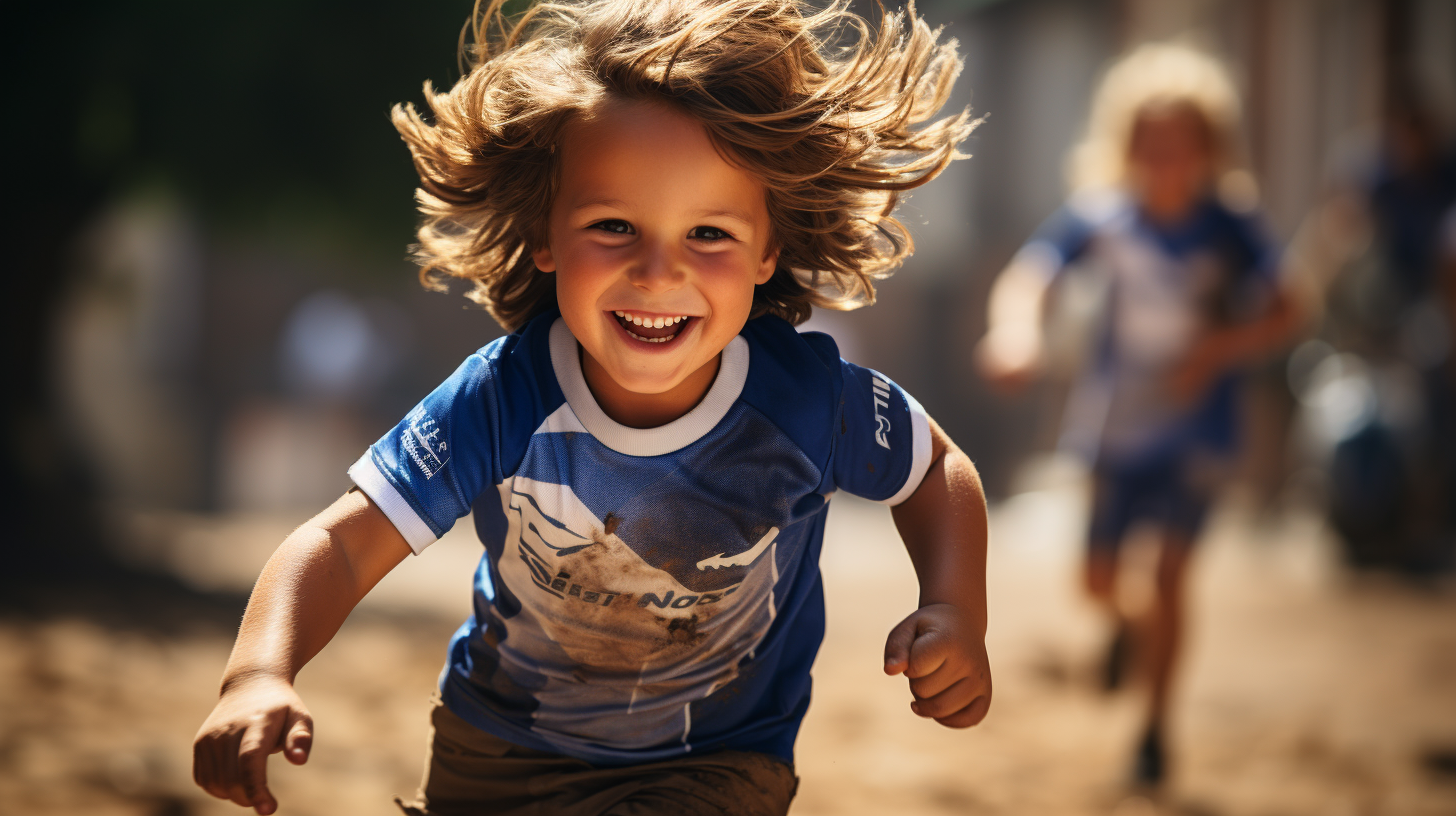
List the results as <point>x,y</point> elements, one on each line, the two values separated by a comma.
<point>522,358</point>
<point>785,349</point>
<point>784,361</point>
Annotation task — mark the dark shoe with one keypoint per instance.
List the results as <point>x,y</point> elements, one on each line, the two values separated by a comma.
<point>1115,664</point>
<point>1150,765</point>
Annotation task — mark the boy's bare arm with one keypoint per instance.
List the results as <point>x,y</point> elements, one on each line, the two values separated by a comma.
<point>308,587</point>
<point>1231,347</point>
<point>941,647</point>
<point>1010,354</point>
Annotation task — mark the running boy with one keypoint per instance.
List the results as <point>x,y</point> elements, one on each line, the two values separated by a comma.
<point>648,195</point>
<point>1162,211</point>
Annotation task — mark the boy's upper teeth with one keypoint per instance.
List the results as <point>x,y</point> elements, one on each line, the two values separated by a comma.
<point>651,322</point>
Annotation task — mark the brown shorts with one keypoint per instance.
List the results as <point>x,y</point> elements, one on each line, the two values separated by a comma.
<point>473,773</point>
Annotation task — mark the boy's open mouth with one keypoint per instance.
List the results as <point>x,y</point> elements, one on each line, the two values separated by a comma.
<point>657,329</point>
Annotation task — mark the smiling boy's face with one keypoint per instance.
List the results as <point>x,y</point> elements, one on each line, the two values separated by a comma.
<point>657,243</point>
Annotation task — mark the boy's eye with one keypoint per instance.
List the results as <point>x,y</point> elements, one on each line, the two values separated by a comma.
<point>613,225</point>
<point>708,234</point>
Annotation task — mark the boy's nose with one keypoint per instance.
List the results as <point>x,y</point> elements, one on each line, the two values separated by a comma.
<point>658,269</point>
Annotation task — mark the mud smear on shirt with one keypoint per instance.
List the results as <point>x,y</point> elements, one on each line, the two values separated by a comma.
<point>619,615</point>
<point>685,630</point>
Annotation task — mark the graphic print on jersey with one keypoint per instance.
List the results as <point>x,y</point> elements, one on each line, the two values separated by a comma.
<point>647,607</point>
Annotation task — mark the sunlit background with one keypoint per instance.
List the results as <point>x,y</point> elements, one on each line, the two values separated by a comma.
<point>209,315</point>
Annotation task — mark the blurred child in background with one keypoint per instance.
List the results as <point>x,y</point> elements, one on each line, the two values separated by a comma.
<point>1162,211</point>
<point>1373,251</point>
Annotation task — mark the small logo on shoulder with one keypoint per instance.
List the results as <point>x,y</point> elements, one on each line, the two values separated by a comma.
<point>420,438</point>
<point>882,400</point>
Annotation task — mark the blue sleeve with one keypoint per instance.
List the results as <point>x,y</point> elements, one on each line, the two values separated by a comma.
<point>1059,241</point>
<point>1256,260</point>
<point>425,473</point>
<point>1261,250</point>
<point>882,449</point>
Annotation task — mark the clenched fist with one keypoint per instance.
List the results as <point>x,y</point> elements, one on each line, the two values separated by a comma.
<point>944,657</point>
<point>254,718</point>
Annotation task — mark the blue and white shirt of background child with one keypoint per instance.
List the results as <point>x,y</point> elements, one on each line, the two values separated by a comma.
<point>1166,284</point>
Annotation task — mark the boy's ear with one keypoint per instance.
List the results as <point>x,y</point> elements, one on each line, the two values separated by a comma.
<point>767,266</point>
<point>542,257</point>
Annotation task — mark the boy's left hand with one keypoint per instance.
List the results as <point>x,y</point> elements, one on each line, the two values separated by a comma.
<point>944,657</point>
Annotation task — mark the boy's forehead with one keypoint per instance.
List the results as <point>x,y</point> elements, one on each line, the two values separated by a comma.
<point>616,125</point>
<point>623,149</point>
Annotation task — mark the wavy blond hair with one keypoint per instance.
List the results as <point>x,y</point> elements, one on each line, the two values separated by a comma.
<point>819,107</point>
<point>1158,76</point>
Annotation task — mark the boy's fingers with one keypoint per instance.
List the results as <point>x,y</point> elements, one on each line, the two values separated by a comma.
<point>225,779</point>
<point>205,770</point>
<point>971,715</point>
<point>300,738</point>
<point>897,646</point>
<point>238,796</point>
<point>927,654</point>
<point>202,763</point>
<point>955,697</point>
<point>257,744</point>
<point>929,685</point>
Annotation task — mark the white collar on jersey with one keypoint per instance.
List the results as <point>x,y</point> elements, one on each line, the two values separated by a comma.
<point>681,432</point>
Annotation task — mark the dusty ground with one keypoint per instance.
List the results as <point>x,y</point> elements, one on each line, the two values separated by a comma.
<point>1306,691</point>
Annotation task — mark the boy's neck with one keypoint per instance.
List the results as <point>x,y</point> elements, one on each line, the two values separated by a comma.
<point>647,410</point>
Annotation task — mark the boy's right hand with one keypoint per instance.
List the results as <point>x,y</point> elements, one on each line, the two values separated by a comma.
<point>254,718</point>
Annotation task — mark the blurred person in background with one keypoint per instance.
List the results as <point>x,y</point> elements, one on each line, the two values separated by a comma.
<point>1374,251</point>
<point>1162,213</point>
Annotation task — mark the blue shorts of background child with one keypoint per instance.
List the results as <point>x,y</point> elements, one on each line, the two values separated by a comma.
<point>649,196</point>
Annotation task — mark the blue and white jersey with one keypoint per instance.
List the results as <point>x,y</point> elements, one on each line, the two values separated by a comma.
<point>643,592</point>
<point>1167,285</point>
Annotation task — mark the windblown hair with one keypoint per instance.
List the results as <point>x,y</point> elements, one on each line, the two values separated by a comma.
<point>819,107</point>
<point>1157,77</point>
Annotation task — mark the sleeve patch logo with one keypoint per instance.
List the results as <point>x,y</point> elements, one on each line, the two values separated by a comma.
<point>882,400</point>
<point>420,439</point>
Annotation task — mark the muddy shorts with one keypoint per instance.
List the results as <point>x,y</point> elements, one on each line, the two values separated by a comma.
<point>472,773</point>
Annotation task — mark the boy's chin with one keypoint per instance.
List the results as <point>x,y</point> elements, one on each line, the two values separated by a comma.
<point>649,384</point>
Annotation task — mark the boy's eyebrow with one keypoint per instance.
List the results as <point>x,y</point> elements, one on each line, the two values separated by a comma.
<point>599,202</point>
<point>733,214</point>
<point>736,215</point>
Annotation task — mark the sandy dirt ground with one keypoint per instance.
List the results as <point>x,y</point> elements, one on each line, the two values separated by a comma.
<point>1306,690</point>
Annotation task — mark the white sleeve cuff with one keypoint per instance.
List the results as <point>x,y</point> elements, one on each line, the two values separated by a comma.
<point>371,480</point>
<point>920,447</point>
